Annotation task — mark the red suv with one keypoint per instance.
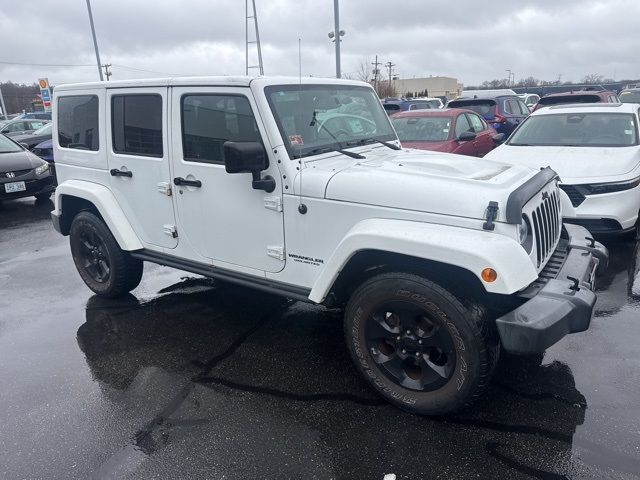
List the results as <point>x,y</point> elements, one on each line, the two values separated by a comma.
<point>451,130</point>
<point>578,96</point>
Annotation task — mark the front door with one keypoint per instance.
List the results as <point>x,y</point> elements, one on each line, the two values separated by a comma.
<point>138,156</point>
<point>221,216</point>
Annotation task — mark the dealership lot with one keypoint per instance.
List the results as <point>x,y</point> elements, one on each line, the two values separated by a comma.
<point>188,378</point>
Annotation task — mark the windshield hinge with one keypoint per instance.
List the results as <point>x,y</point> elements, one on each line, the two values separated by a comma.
<point>273,203</point>
<point>491,215</point>
<point>276,251</point>
<point>170,230</point>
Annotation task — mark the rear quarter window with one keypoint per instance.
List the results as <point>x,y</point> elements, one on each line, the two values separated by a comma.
<point>78,122</point>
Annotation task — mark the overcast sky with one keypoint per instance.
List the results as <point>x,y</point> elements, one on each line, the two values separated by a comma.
<point>467,39</point>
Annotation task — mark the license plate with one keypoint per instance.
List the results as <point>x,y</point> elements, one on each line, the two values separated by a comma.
<point>14,187</point>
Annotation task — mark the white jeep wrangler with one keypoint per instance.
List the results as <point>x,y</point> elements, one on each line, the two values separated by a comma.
<point>300,188</point>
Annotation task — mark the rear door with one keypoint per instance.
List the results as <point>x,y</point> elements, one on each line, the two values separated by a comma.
<point>138,158</point>
<point>514,111</point>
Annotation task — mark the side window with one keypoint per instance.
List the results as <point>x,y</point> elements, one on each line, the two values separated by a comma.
<point>36,125</point>
<point>476,123</point>
<point>462,125</point>
<point>510,107</point>
<point>16,127</point>
<point>78,122</point>
<point>136,124</point>
<point>524,110</point>
<point>210,120</point>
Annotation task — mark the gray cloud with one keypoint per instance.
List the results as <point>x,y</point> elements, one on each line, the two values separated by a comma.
<point>543,38</point>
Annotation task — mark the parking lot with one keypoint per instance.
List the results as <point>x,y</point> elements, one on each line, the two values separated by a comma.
<point>188,378</point>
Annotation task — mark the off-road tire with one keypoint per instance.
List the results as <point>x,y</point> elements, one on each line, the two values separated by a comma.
<point>43,197</point>
<point>125,272</point>
<point>474,337</point>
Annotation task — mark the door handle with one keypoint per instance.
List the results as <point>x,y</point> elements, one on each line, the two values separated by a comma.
<point>119,173</point>
<point>187,183</point>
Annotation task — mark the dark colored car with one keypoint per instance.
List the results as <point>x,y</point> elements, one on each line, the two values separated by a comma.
<point>395,105</point>
<point>578,96</point>
<point>451,130</point>
<point>630,95</point>
<point>30,140</point>
<point>504,112</point>
<point>45,150</point>
<point>19,126</point>
<point>23,174</point>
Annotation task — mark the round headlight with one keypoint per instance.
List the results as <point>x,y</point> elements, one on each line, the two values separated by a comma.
<point>525,235</point>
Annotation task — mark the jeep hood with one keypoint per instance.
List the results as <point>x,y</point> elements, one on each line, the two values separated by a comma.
<point>424,181</point>
<point>574,165</point>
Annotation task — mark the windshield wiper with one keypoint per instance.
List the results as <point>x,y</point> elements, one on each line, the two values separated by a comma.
<point>339,150</point>
<point>366,141</point>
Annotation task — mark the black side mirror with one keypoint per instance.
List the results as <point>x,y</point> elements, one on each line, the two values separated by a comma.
<point>498,138</point>
<point>249,157</point>
<point>467,136</point>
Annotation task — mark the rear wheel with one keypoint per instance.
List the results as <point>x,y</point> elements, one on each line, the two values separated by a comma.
<point>417,345</point>
<point>103,265</point>
<point>41,197</point>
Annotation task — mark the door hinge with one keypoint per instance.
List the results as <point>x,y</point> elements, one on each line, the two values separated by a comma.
<point>276,252</point>
<point>170,230</point>
<point>164,188</point>
<point>273,203</point>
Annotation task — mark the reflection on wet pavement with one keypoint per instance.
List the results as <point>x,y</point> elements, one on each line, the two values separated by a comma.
<point>190,378</point>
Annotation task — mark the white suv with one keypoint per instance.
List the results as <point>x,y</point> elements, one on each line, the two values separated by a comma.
<point>300,188</point>
<point>595,148</point>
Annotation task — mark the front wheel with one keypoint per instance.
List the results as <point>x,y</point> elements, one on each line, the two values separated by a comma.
<point>417,345</point>
<point>106,269</point>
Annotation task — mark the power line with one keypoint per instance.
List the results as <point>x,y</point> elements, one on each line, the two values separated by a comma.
<point>45,64</point>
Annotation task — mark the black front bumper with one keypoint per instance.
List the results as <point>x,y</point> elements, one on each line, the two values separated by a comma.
<point>34,186</point>
<point>561,301</point>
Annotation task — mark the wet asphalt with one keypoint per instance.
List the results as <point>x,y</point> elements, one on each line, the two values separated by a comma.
<point>189,378</point>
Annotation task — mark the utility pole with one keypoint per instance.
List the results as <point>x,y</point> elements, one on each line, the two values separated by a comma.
<point>95,42</point>
<point>376,72</point>
<point>336,17</point>
<point>254,16</point>
<point>389,66</point>
<point>4,109</point>
<point>107,73</point>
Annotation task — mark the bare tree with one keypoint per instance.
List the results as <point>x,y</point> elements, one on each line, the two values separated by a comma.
<point>592,79</point>
<point>364,71</point>
<point>528,82</point>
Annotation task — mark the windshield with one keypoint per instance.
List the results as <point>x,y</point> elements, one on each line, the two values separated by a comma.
<point>630,96</point>
<point>486,108</point>
<point>434,103</point>
<point>8,146</point>
<point>422,129</point>
<point>46,130</point>
<point>320,118</point>
<point>562,99</point>
<point>578,130</point>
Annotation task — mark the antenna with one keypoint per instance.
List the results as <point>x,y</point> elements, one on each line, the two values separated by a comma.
<point>302,208</point>
<point>248,17</point>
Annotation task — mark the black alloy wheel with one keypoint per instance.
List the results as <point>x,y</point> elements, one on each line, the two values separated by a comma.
<point>411,346</point>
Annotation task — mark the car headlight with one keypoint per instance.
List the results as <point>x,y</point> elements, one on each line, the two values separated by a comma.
<point>525,234</point>
<point>42,168</point>
<point>610,187</point>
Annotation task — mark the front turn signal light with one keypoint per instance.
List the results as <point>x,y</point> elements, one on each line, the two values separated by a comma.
<point>489,275</point>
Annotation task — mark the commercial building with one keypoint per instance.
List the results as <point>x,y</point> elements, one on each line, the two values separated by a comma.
<point>433,86</point>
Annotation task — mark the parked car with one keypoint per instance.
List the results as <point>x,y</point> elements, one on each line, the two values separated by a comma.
<point>595,151</point>
<point>32,139</point>
<point>504,113</point>
<point>451,130</point>
<point>395,105</point>
<point>19,126</point>
<point>260,184</point>
<point>44,150</point>
<point>578,96</point>
<point>36,115</point>
<point>23,174</point>
<point>530,100</point>
<point>434,102</point>
<point>630,95</point>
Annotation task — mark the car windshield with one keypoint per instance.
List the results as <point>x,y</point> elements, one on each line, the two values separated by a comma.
<point>46,130</point>
<point>434,103</point>
<point>315,119</point>
<point>562,99</point>
<point>422,129</point>
<point>578,130</point>
<point>7,146</point>
<point>485,108</point>
<point>630,96</point>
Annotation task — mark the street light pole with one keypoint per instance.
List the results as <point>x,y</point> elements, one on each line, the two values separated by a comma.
<point>336,17</point>
<point>508,70</point>
<point>95,42</point>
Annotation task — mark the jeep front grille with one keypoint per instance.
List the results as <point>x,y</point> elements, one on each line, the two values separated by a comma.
<point>546,220</point>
